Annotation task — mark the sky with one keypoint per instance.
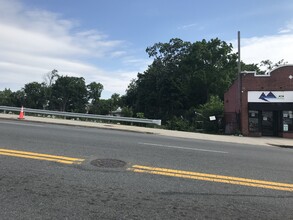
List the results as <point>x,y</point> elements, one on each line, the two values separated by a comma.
<point>105,40</point>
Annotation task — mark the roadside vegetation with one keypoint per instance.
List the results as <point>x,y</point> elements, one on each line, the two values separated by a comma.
<point>184,86</point>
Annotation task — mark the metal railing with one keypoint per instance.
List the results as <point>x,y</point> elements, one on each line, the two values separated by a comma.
<point>81,115</point>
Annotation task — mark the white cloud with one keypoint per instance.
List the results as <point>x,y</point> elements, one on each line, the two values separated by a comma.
<point>189,26</point>
<point>17,39</point>
<point>287,29</point>
<point>270,47</point>
<point>139,64</point>
<point>34,42</point>
<point>274,48</point>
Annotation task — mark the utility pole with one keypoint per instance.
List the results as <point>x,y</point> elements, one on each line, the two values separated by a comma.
<point>239,81</point>
<point>239,60</point>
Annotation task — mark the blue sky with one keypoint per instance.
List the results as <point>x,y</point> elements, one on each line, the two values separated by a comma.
<point>105,40</point>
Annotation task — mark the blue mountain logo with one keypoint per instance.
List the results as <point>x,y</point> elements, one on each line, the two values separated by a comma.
<point>266,98</point>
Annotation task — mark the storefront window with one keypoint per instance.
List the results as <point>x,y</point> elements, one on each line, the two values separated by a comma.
<point>253,121</point>
<point>287,120</point>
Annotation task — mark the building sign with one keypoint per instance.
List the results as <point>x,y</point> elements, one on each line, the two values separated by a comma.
<point>285,127</point>
<point>212,118</point>
<point>270,96</point>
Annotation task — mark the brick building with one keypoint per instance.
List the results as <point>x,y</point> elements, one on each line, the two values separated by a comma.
<point>261,105</point>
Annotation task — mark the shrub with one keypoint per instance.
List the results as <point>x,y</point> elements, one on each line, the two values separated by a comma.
<point>214,107</point>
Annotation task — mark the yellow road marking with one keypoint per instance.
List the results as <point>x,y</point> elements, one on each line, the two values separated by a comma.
<point>37,156</point>
<point>213,178</point>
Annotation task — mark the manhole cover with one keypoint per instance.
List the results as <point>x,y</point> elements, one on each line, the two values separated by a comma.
<point>108,163</point>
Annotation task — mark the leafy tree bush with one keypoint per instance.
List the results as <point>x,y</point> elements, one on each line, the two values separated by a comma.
<point>35,95</point>
<point>182,75</point>
<point>178,124</point>
<point>140,115</point>
<point>69,94</point>
<point>214,107</point>
<point>103,107</point>
<point>127,112</point>
<point>6,97</point>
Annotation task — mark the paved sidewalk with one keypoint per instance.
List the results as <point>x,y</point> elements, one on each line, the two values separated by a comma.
<point>264,141</point>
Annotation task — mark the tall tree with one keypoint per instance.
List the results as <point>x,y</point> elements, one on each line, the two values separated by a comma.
<point>115,101</point>
<point>94,91</point>
<point>130,98</point>
<point>6,97</point>
<point>183,75</point>
<point>49,80</point>
<point>212,66</point>
<point>35,95</point>
<point>18,98</point>
<point>50,77</point>
<point>69,94</point>
<point>269,65</point>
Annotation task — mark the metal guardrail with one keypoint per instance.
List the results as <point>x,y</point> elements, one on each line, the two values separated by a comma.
<point>81,115</point>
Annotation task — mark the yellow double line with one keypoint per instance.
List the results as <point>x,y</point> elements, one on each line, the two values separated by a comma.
<point>47,157</point>
<point>213,178</point>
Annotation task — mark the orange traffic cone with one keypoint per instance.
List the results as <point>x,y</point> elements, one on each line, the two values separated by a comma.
<point>21,114</point>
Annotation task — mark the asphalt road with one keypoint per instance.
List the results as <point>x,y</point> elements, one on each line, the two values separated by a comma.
<point>108,174</point>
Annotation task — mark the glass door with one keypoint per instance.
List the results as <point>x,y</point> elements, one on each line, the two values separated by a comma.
<point>267,126</point>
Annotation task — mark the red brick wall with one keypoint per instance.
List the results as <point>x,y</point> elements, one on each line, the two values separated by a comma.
<point>277,81</point>
<point>287,135</point>
<point>231,98</point>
